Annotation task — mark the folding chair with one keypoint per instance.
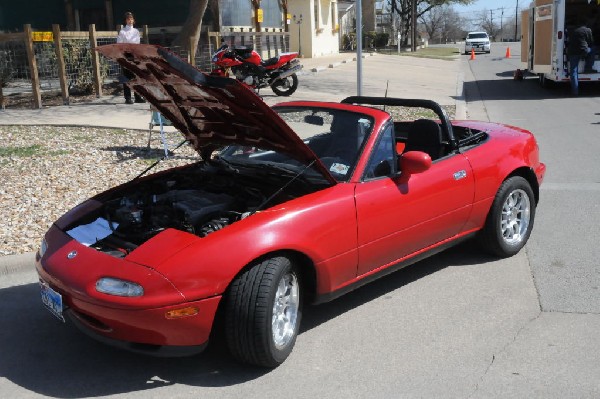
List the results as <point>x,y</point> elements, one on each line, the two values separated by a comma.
<point>157,119</point>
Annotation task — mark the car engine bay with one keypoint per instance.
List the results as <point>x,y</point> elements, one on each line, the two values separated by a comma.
<point>197,199</point>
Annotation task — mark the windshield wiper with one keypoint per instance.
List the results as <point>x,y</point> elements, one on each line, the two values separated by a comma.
<point>227,164</point>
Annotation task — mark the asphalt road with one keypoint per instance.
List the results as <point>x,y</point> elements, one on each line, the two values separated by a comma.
<point>458,325</point>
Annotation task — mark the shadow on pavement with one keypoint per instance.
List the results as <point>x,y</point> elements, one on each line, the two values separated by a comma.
<point>44,356</point>
<point>527,89</point>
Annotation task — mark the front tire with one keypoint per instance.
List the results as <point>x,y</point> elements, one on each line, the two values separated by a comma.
<point>510,221</point>
<point>285,87</point>
<point>263,312</point>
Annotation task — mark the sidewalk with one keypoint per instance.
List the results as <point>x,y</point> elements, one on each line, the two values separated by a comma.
<point>418,80</point>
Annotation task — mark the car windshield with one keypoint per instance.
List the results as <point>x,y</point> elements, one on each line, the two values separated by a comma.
<point>336,137</point>
<point>477,36</point>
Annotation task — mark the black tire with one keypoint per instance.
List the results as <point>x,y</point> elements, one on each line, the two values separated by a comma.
<point>498,236</point>
<point>251,303</point>
<point>285,87</point>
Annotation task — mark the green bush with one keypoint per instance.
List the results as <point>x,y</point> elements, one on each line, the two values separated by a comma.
<point>381,39</point>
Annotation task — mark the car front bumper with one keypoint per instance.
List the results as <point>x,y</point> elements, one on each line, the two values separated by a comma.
<point>139,329</point>
<point>477,47</point>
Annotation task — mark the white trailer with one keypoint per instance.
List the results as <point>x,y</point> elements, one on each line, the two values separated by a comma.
<point>545,34</point>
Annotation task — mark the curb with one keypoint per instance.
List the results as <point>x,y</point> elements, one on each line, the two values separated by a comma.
<point>341,62</point>
<point>11,264</point>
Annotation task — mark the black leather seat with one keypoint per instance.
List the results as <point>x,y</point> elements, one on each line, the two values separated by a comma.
<point>425,135</point>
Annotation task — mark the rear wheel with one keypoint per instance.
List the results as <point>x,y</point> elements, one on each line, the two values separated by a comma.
<point>263,312</point>
<point>285,87</point>
<point>510,221</point>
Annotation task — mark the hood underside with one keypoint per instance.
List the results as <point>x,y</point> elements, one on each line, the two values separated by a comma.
<point>210,111</point>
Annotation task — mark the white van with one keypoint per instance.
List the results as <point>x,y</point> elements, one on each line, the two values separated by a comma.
<point>477,41</point>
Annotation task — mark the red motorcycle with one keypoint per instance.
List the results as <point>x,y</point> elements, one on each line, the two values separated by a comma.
<point>248,67</point>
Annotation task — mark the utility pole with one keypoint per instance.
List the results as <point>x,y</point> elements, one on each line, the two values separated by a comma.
<point>516,19</point>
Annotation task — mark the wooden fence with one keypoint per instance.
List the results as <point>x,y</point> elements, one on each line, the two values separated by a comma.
<point>267,44</point>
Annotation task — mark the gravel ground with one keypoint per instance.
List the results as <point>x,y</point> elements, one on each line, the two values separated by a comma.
<point>47,170</point>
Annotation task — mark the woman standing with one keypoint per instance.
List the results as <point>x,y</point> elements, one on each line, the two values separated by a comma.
<point>129,34</point>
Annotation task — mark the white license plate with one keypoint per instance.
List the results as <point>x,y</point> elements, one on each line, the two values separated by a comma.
<point>52,300</point>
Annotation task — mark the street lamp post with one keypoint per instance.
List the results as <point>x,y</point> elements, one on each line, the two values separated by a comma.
<point>299,22</point>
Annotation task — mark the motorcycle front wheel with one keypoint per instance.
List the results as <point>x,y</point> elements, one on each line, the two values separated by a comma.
<point>285,87</point>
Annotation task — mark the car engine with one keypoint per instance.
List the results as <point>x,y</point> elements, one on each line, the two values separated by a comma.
<point>196,203</point>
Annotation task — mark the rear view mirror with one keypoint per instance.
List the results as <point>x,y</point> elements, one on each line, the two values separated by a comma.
<point>314,120</point>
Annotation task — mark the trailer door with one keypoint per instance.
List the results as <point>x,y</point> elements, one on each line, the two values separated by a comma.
<point>525,40</point>
<point>543,35</point>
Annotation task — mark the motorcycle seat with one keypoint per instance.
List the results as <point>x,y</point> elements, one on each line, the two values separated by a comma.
<point>243,51</point>
<point>270,61</point>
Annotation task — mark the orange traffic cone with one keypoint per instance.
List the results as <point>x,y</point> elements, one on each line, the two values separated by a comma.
<point>508,52</point>
<point>472,54</point>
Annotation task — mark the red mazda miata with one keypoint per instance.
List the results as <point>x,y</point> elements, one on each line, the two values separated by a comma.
<point>295,204</point>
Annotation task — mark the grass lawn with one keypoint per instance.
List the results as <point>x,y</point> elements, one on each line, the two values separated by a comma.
<point>442,53</point>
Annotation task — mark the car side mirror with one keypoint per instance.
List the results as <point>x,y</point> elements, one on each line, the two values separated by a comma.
<point>413,162</point>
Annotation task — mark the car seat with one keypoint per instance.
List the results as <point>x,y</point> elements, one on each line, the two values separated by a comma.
<point>347,135</point>
<point>425,135</point>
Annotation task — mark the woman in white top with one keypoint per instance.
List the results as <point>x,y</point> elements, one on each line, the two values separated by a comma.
<point>129,34</point>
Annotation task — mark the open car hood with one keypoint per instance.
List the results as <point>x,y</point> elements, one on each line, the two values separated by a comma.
<point>210,111</point>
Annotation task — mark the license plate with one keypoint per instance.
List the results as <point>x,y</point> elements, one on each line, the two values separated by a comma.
<point>52,300</point>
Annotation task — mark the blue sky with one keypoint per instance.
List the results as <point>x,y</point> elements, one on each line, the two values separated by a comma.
<point>501,9</point>
<point>479,5</point>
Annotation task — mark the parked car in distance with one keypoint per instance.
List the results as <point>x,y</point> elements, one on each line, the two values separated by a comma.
<point>478,42</point>
<point>288,205</point>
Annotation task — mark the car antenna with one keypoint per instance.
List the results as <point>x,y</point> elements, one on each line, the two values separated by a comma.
<point>387,84</point>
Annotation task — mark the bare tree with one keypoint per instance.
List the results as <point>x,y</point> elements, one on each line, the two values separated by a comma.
<point>487,23</point>
<point>403,9</point>
<point>442,24</point>
<point>433,21</point>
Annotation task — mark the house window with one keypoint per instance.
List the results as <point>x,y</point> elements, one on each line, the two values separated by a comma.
<point>236,13</point>
<point>272,14</point>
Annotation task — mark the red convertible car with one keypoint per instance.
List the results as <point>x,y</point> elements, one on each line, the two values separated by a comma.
<point>294,204</point>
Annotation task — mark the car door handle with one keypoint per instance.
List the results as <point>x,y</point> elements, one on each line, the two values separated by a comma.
<point>461,174</point>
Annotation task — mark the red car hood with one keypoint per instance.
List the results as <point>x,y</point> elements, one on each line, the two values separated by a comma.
<point>210,111</point>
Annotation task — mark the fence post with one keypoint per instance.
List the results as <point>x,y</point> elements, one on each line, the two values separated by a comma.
<point>35,80</point>
<point>146,34</point>
<point>95,61</point>
<point>62,75</point>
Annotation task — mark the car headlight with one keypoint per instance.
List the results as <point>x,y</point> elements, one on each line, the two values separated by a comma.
<point>43,248</point>
<point>118,287</point>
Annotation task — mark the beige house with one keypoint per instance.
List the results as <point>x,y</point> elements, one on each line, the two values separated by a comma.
<point>314,27</point>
